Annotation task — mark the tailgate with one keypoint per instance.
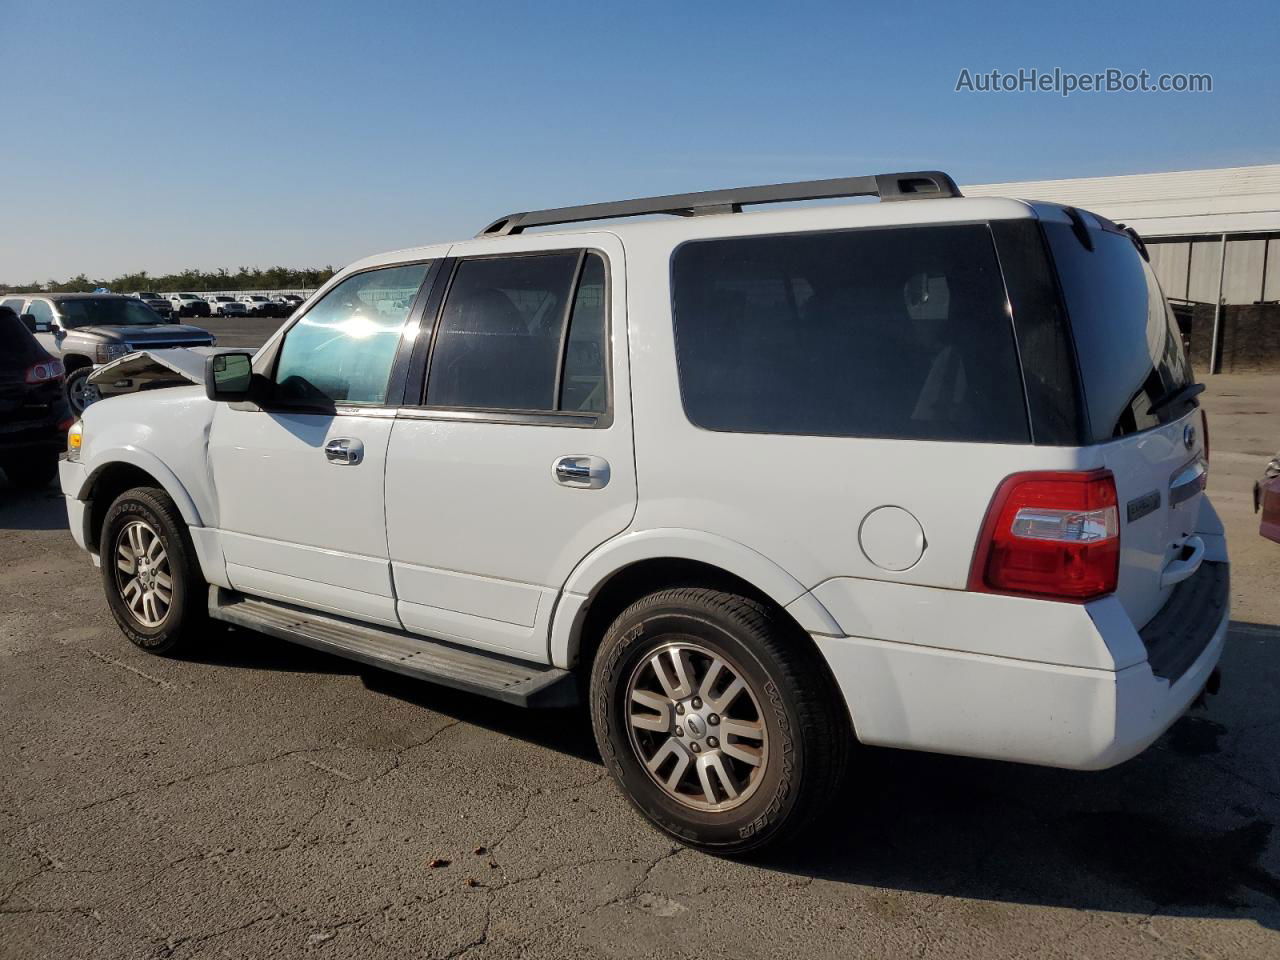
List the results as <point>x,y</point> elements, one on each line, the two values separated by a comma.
<point>1159,478</point>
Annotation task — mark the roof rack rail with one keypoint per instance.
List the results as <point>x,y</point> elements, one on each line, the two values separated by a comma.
<point>920,185</point>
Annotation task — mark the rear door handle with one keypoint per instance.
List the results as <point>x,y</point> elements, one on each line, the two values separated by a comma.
<point>344,451</point>
<point>587,473</point>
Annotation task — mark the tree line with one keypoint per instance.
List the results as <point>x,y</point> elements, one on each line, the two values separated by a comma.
<point>244,278</point>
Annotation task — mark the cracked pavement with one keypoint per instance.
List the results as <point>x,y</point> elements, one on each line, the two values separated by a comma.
<point>260,798</point>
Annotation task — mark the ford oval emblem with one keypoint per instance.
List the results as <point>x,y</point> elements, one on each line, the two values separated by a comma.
<point>1189,436</point>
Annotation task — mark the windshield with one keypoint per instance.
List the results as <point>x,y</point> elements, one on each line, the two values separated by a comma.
<point>106,313</point>
<point>1127,340</point>
<point>258,299</point>
<point>187,296</point>
<point>149,296</point>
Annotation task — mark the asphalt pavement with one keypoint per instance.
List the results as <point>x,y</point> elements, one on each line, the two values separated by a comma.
<point>262,799</point>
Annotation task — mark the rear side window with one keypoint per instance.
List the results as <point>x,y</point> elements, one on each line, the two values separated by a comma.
<point>871,333</point>
<point>1127,341</point>
<point>503,343</point>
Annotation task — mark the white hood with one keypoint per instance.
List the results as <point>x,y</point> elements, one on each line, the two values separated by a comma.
<point>172,367</point>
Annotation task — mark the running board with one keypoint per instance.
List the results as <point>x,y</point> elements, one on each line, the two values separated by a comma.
<point>488,674</point>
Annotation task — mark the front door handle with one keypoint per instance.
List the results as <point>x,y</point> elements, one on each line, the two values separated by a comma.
<point>587,473</point>
<point>344,451</point>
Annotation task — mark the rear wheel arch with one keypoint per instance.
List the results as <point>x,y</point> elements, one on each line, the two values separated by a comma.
<point>639,579</point>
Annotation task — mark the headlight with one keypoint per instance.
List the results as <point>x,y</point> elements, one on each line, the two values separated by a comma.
<point>106,352</point>
<point>75,437</point>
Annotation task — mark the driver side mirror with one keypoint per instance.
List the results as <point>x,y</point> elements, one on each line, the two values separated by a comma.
<point>228,376</point>
<point>34,325</point>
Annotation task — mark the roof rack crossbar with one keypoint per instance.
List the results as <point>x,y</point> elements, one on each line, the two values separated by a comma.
<point>924,184</point>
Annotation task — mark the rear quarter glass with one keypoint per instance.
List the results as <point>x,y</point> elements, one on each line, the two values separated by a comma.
<point>1127,342</point>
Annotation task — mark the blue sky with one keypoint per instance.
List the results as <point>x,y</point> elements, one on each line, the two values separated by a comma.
<point>170,134</point>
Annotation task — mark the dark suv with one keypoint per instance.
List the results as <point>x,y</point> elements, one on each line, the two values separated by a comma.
<point>34,415</point>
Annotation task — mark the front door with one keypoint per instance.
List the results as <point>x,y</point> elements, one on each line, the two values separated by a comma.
<point>299,479</point>
<point>516,459</point>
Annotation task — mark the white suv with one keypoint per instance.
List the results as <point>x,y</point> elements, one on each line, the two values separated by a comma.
<point>925,474</point>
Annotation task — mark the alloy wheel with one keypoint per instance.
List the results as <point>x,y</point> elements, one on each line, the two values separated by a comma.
<point>696,726</point>
<point>142,573</point>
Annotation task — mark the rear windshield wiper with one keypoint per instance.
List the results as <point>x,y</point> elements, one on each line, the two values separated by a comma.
<point>1180,395</point>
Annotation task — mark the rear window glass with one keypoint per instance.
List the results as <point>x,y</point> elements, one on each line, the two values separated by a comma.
<point>15,340</point>
<point>871,333</point>
<point>1127,341</point>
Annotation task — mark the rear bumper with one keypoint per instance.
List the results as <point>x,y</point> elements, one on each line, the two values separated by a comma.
<point>927,697</point>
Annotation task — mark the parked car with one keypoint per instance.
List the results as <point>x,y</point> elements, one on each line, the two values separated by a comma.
<point>224,306</point>
<point>84,330</point>
<point>286,303</point>
<point>1266,499</point>
<point>189,305</point>
<point>260,306</point>
<point>159,304</point>
<point>925,474</point>
<point>34,415</point>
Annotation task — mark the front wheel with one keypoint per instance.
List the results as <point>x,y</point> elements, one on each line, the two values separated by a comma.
<point>80,392</point>
<point>150,573</point>
<point>720,723</point>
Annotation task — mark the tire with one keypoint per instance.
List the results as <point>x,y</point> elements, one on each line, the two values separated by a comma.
<point>800,737</point>
<point>79,393</point>
<point>181,623</point>
<point>33,473</point>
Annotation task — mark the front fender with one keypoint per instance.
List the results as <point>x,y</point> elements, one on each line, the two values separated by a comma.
<point>105,459</point>
<point>678,544</point>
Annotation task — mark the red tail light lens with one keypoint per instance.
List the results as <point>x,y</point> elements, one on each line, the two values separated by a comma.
<point>44,372</point>
<point>1053,534</point>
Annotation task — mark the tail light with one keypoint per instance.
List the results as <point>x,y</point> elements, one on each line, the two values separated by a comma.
<point>45,371</point>
<point>1050,534</point>
<point>1204,429</point>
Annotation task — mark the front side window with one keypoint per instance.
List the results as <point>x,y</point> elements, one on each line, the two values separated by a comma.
<point>343,349</point>
<point>900,332</point>
<point>502,342</point>
<point>43,313</point>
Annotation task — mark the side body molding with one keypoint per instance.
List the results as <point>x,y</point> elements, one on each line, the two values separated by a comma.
<point>679,544</point>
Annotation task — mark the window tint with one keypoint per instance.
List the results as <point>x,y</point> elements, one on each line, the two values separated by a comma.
<point>872,333</point>
<point>498,346</point>
<point>584,388</point>
<point>342,350</point>
<point>16,343</point>
<point>15,304</point>
<point>1127,341</point>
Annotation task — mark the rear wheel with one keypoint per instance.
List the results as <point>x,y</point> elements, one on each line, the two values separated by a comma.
<point>150,573</point>
<point>34,472</point>
<point>720,723</point>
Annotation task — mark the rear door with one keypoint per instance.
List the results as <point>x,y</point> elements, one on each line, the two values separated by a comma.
<point>1134,374</point>
<point>516,459</point>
